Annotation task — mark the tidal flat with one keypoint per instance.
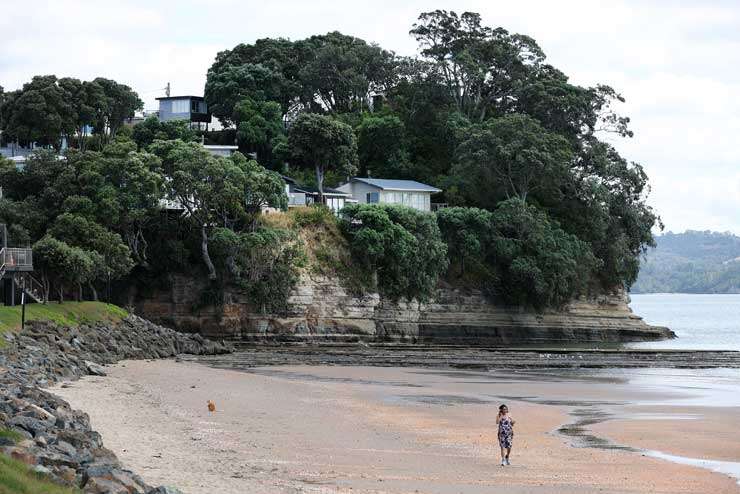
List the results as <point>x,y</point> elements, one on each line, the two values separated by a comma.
<point>333,428</point>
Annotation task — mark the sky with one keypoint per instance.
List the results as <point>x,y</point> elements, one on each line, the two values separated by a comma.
<point>676,62</point>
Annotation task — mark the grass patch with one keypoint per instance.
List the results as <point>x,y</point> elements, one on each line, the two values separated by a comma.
<point>65,314</point>
<point>18,478</point>
<point>14,436</point>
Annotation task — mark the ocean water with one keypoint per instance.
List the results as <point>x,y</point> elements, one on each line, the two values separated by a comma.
<point>702,322</point>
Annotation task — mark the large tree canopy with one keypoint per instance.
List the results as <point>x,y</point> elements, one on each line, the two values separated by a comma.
<point>48,109</point>
<point>322,143</point>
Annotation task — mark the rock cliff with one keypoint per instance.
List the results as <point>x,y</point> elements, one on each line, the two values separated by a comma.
<point>322,309</point>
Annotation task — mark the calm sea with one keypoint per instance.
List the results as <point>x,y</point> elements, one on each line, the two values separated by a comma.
<point>702,322</point>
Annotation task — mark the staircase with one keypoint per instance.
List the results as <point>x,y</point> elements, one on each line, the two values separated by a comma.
<point>31,286</point>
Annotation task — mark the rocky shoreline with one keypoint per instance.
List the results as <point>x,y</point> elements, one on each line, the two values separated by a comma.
<point>58,441</point>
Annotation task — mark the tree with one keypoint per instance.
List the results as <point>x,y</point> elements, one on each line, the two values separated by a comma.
<point>235,75</point>
<point>331,73</point>
<point>401,245</point>
<point>259,128</point>
<point>381,148</point>
<point>113,259</point>
<point>39,112</point>
<point>512,156</point>
<point>341,72</point>
<point>480,66</point>
<point>151,129</point>
<point>88,100</point>
<point>232,84</point>
<point>214,191</point>
<point>467,232</point>
<point>322,143</point>
<point>535,262</point>
<point>60,264</point>
<point>121,101</point>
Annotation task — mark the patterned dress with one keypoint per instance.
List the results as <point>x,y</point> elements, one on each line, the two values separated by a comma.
<point>505,432</point>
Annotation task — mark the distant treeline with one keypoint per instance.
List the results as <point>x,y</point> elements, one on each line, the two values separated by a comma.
<point>691,262</point>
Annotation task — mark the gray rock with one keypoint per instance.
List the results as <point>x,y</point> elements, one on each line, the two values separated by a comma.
<point>164,489</point>
<point>29,424</point>
<point>95,369</point>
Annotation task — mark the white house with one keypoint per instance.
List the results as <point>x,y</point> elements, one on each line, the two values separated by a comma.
<point>386,191</point>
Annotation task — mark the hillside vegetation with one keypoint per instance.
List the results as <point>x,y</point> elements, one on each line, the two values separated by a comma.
<point>543,207</point>
<point>691,262</point>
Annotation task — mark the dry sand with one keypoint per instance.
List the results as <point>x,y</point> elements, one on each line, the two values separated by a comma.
<point>379,430</point>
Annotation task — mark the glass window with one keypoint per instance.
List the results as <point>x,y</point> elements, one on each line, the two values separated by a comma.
<point>180,106</point>
<point>372,198</point>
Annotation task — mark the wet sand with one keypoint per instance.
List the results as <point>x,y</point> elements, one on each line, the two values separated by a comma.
<point>327,429</point>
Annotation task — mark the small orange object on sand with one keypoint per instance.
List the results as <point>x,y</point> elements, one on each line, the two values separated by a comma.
<point>211,406</point>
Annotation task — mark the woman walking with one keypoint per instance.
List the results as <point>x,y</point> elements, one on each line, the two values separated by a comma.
<point>505,433</point>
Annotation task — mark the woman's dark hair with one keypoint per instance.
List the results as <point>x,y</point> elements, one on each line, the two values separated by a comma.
<point>502,407</point>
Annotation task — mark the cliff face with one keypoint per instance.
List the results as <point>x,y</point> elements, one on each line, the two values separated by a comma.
<point>322,309</point>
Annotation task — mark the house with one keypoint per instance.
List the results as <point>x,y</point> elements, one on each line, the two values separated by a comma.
<point>387,191</point>
<point>302,195</point>
<point>190,108</point>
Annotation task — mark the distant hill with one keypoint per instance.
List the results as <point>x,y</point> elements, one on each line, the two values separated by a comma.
<point>691,262</point>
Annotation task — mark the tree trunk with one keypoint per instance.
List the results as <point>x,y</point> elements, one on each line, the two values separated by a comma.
<point>94,291</point>
<point>204,251</point>
<point>61,293</point>
<point>320,183</point>
<point>79,292</point>
<point>47,288</point>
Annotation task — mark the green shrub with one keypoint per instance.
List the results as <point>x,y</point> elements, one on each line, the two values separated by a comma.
<point>263,263</point>
<point>313,215</point>
<point>401,245</point>
<point>535,262</point>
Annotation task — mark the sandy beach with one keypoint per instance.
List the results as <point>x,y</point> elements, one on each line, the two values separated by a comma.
<point>327,429</point>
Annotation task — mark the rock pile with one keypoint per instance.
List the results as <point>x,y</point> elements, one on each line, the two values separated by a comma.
<point>54,439</point>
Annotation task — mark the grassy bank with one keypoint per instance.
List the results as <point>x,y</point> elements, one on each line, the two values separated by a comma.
<point>18,478</point>
<point>65,314</point>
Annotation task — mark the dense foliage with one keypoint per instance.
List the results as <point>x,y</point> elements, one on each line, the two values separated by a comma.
<point>48,109</point>
<point>691,262</point>
<point>480,113</point>
<point>402,246</point>
<point>93,216</point>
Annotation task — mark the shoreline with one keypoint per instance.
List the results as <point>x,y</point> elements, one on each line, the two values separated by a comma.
<point>371,429</point>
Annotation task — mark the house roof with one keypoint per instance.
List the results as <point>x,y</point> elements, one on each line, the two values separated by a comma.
<point>391,184</point>
<point>199,98</point>
<point>313,190</point>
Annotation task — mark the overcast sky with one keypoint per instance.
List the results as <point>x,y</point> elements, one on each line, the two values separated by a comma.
<point>676,62</point>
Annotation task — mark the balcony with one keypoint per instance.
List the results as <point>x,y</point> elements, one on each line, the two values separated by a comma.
<point>15,259</point>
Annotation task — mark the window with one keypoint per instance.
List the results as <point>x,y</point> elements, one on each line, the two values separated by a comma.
<point>180,106</point>
<point>372,198</point>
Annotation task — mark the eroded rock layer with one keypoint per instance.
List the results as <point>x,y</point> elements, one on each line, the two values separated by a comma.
<point>321,308</point>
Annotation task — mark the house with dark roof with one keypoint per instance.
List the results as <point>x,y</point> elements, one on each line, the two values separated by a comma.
<point>388,191</point>
<point>191,108</point>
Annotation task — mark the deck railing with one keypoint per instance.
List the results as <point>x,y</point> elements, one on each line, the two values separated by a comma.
<point>16,259</point>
